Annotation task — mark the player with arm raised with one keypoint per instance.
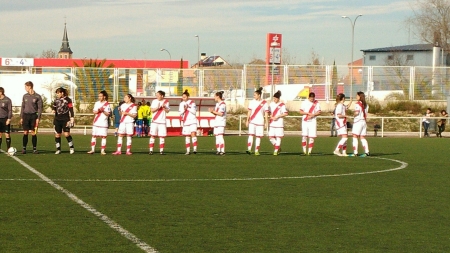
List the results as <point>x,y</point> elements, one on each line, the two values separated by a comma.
<point>257,118</point>
<point>64,119</point>
<point>276,126</point>
<point>101,111</point>
<point>188,111</point>
<point>310,109</point>
<point>220,121</point>
<point>359,129</point>
<point>128,111</point>
<point>5,118</point>
<point>160,108</point>
<point>30,114</point>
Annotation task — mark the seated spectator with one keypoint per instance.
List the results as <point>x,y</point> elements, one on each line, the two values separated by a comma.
<point>376,128</point>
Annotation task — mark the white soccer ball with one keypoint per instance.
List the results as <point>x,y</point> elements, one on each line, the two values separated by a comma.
<point>12,151</point>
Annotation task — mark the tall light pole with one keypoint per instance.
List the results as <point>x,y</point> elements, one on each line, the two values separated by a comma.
<point>200,84</point>
<point>352,23</point>
<point>198,50</point>
<point>170,73</point>
<point>170,56</point>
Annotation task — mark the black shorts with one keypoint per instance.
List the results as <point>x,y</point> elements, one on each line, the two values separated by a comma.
<point>61,125</point>
<point>29,121</point>
<point>3,127</point>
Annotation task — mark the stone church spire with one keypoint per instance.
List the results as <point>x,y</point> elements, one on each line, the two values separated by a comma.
<point>65,52</point>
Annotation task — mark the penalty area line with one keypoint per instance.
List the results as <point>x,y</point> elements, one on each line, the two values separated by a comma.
<point>111,223</point>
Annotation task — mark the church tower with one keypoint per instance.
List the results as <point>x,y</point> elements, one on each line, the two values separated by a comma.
<point>64,51</point>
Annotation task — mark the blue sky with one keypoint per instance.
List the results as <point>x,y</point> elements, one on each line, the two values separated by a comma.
<point>233,29</point>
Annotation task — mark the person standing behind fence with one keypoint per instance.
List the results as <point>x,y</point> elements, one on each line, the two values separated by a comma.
<point>64,119</point>
<point>102,111</point>
<point>341,125</point>
<point>333,123</point>
<point>220,121</point>
<point>359,129</point>
<point>257,120</point>
<point>140,119</point>
<point>30,114</point>
<point>160,108</point>
<point>276,126</point>
<point>128,112</point>
<point>426,122</point>
<point>116,115</point>
<point>310,109</point>
<point>146,114</point>
<point>5,118</point>
<point>441,123</point>
<point>188,111</point>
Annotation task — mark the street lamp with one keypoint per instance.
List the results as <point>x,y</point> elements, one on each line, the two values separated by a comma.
<point>200,84</point>
<point>352,23</point>
<point>198,50</point>
<point>170,56</point>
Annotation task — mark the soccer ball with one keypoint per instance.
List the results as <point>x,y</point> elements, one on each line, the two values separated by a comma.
<point>12,151</point>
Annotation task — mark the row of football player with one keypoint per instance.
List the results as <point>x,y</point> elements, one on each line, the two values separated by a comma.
<point>260,115</point>
<point>257,120</point>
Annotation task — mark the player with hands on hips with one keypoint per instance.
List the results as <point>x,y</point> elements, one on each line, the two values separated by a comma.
<point>257,120</point>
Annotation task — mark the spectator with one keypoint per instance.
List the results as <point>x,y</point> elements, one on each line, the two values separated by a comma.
<point>116,114</point>
<point>441,123</point>
<point>426,122</point>
<point>333,123</point>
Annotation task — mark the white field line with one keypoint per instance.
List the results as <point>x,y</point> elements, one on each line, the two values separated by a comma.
<point>402,166</point>
<point>112,224</point>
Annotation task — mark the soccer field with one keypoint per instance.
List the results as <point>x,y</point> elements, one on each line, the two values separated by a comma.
<point>397,200</point>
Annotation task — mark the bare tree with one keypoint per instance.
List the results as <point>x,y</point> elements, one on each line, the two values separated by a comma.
<point>431,21</point>
<point>287,57</point>
<point>314,60</point>
<point>27,55</point>
<point>49,53</point>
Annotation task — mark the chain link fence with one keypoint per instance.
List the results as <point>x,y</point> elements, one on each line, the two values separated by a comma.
<point>238,83</point>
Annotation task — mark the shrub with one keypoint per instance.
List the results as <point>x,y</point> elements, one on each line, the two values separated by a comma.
<point>412,107</point>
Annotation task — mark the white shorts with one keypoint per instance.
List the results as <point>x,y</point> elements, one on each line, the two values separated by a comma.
<point>158,129</point>
<point>359,128</point>
<point>309,129</point>
<point>99,131</point>
<point>276,131</point>
<point>341,130</point>
<point>220,130</point>
<point>255,130</point>
<point>126,128</point>
<point>187,130</point>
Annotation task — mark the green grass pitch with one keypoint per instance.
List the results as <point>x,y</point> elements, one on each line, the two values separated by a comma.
<point>234,203</point>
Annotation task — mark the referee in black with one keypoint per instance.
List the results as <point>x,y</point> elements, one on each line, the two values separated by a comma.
<point>30,115</point>
<point>5,118</point>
